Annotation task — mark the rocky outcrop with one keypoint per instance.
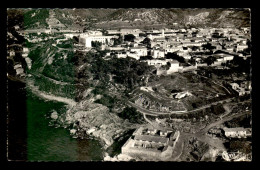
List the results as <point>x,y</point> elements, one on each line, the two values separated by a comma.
<point>54,115</point>
<point>210,155</point>
<point>120,157</point>
<point>92,119</point>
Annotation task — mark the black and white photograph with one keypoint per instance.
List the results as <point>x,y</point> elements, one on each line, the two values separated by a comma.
<point>129,84</point>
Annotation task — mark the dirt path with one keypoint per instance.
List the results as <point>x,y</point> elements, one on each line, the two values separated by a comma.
<point>205,130</point>
<point>178,150</point>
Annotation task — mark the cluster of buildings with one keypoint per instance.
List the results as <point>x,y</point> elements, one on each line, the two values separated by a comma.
<point>150,143</point>
<point>18,66</point>
<point>186,43</point>
<point>237,132</point>
<point>242,88</point>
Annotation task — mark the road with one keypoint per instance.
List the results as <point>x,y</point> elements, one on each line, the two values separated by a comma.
<point>206,129</point>
<point>155,113</point>
<point>201,136</point>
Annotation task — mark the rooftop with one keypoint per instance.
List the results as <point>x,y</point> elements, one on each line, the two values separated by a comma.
<point>149,138</point>
<point>234,129</point>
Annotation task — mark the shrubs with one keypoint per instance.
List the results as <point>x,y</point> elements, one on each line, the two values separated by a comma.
<point>66,44</point>
<point>240,145</point>
<point>107,101</point>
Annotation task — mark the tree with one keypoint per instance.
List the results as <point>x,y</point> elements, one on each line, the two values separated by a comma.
<point>192,61</point>
<point>107,101</point>
<point>131,114</point>
<point>217,109</point>
<point>147,42</point>
<point>208,46</point>
<point>96,44</point>
<point>210,60</point>
<point>146,57</point>
<point>129,37</point>
<point>118,41</point>
<point>75,39</point>
<point>194,48</point>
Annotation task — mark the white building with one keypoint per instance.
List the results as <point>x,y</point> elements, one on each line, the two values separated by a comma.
<point>71,35</point>
<point>157,53</point>
<point>87,39</point>
<point>113,31</point>
<point>175,66</point>
<point>156,62</point>
<point>186,56</point>
<point>141,51</point>
<point>116,48</point>
<point>186,44</point>
<point>154,36</point>
<point>121,55</point>
<point>172,49</point>
<point>133,55</point>
<point>135,32</point>
<point>25,50</point>
<point>241,47</point>
<point>236,132</point>
<point>92,33</point>
<point>224,57</point>
<point>12,53</point>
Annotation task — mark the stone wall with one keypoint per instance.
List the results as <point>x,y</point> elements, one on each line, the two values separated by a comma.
<point>131,151</point>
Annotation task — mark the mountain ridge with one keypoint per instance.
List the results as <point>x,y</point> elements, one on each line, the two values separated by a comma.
<point>134,17</point>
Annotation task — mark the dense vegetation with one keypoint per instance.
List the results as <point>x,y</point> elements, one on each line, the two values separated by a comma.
<point>210,60</point>
<point>217,109</point>
<point>36,16</point>
<point>60,68</point>
<point>131,114</point>
<point>118,41</point>
<point>126,71</point>
<point>129,37</point>
<point>48,86</point>
<point>242,121</point>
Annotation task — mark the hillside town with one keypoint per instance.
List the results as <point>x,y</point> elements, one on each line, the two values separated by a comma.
<point>190,48</point>
<point>189,88</point>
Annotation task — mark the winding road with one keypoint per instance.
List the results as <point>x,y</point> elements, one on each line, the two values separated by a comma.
<point>201,135</point>
<point>155,113</point>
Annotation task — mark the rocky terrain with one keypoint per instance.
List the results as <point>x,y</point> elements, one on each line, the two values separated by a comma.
<point>86,119</point>
<point>92,119</point>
